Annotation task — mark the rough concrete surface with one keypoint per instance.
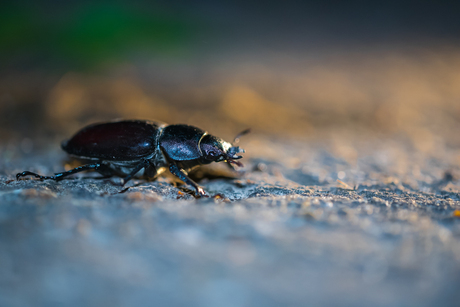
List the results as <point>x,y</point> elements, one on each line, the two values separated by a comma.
<point>341,221</point>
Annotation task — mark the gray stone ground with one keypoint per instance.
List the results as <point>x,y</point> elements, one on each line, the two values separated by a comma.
<point>342,221</point>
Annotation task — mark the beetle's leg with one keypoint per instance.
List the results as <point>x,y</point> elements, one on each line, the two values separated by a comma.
<point>135,171</point>
<point>150,171</point>
<point>59,176</point>
<point>175,170</point>
<point>104,170</point>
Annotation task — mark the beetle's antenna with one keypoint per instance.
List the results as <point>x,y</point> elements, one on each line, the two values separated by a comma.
<point>239,135</point>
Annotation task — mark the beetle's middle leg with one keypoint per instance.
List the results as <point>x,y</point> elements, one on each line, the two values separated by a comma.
<point>59,176</point>
<point>138,167</point>
<point>175,170</point>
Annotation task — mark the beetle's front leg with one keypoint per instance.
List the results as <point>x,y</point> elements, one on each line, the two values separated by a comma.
<point>175,170</point>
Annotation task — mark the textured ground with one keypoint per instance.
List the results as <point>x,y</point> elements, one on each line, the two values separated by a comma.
<point>339,221</point>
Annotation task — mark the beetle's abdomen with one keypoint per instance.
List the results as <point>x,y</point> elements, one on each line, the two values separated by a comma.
<point>121,141</point>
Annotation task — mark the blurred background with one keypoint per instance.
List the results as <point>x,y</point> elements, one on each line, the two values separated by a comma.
<point>286,69</point>
<point>351,188</point>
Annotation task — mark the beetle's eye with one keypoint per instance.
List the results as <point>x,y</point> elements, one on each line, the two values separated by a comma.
<point>212,153</point>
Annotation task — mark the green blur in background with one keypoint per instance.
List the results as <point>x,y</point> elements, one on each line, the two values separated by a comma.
<point>89,34</point>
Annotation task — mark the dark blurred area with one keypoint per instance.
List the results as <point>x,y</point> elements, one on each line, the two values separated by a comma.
<point>284,68</point>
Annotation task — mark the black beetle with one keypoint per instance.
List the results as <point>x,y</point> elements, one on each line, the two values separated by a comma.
<point>123,148</point>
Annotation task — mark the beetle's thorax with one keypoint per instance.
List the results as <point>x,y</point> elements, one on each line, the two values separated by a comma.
<point>181,142</point>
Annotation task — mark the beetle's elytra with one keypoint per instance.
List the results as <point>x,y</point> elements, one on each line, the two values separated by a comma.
<point>124,148</point>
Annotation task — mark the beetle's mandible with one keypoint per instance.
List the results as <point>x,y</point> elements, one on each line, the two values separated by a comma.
<point>124,148</point>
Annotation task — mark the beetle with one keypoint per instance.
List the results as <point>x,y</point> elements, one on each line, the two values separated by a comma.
<point>123,148</point>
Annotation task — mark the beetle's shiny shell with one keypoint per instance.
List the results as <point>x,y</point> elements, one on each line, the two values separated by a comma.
<point>116,141</point>
<point>182,142</point>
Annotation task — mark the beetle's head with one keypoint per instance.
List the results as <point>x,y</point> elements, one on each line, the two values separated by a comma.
<point>215,149</point>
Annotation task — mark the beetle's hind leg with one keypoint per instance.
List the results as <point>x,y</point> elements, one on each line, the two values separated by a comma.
<point>59,176</point>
